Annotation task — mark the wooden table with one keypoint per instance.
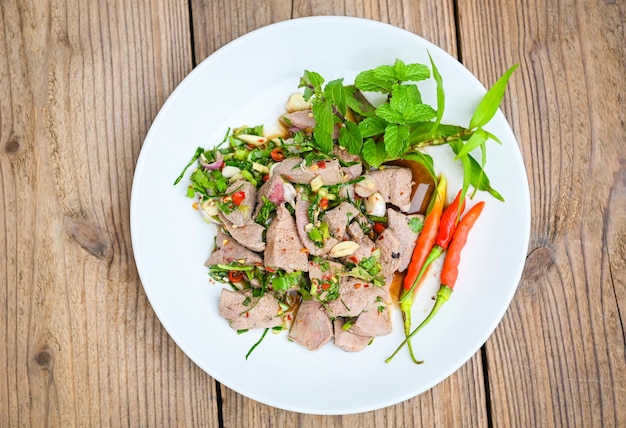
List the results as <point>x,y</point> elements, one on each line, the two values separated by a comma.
<point>81,82</point>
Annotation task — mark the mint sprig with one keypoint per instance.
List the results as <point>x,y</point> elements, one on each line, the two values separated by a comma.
<point>403,124</point>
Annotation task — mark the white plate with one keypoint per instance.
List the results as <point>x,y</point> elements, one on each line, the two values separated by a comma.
<point>248,82</point>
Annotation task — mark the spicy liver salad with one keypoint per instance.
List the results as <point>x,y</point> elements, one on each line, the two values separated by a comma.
<point>314,224</point>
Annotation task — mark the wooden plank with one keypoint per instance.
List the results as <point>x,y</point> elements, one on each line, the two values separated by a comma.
<point>558,358</point>
<point>218,22</point>
<point>80,83</point>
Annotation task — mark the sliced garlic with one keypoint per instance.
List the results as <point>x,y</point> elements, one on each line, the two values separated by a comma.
<point>296,102</point>
<point>344,248</point>
<point>253,140</point>
<point>375,205</point>
<point>317,183</point>
<point>289,192</point>
<point>260,168</point>
<point>230,171</point>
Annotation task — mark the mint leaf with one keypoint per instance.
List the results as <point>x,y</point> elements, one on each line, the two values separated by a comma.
<point>491,101</point>
<point>371,126</point>
<point>312,83</point>
<point>410,72</point>
<point>373,153</point>
<point>396,140</point>
<point>402,95</point>
<point>350,138</point>
<point>334,93</point>
<point>379,79</point>
<point>357,101</point>
<point>324,125</point>
<point>406,100</point>
<point>385,112</point>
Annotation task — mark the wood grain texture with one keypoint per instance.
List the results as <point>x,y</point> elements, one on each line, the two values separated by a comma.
<point>79,86</point>
<point>80,83</point>
<point>558,359</point>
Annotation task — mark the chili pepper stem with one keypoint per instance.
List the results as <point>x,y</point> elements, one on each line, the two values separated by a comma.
<point>442,297</point>
<point>434,254</point>
<point>405,307</point>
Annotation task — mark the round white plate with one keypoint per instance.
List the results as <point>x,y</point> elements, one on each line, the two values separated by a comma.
<point>248,82</point>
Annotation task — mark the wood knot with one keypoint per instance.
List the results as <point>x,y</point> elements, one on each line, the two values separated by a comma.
<point>538,262</point>
<point>87,236</point>
<point>12,145</point>
<point>44,358</point>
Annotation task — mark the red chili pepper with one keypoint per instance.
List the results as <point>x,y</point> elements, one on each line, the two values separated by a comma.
<point>449,271</point>
<point>238,197</point>
<point>324,203</point>
<point>277,154</point>
<point>449,219</point>
<point>321,165</point>
<point>379,228</point>
<point>235,275</point>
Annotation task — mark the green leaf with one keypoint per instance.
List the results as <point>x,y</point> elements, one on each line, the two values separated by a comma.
<point>371,126</point>
<point>423,132</point>
<point>416,224</point>
<point>477,139</point>
<point>491,101</point>
<point>441,96</point>
<point>403,96</point>
<point>350,138</point>
<point>334,93</point>
<point>406,104</point>
<point>384,111</point>
<point>357,101</point>
<point>373,153</point>
<point>410,72</point>
<point>478,177</point>
<point>312,83</point>
<point>324,125</point>
<point>379,79</point>
<point>195,157</point>
<point>494,138</point>
<point>396,140</point>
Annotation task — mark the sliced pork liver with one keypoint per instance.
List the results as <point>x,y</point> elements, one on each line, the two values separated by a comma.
<point>339,217</point>
<point>293,170</point>
<point>242,214</point>
<point>389,246</point>
<point>250,235</point>
<point>399,223</point>
<point>228,250</point>
<point>375,321</point>
<point>347,340</point>
<point>302,220</point>
<point>311,327</point>
<point>284,249</point>
<point>394,183</point>
<point>242,311</point>
<point>302,119</point>
<point>355,296</point>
